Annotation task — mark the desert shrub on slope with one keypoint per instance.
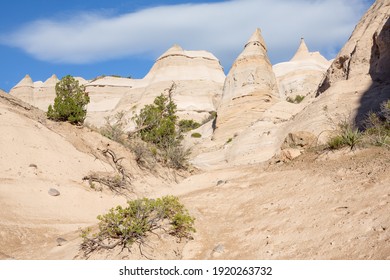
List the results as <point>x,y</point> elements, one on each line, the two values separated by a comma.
<point>114,127</point>
<point>70,102</point>
<point>187,125</point>
<point>346,135</point>
<point>376,131</point>
<point>157,124</point>
<point>124,226</point>
<point>377,126</point>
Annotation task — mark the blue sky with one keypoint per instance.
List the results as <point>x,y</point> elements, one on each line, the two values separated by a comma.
<point>115,37</point>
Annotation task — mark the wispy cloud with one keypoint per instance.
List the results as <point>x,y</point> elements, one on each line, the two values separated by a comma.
<point>221,28</point>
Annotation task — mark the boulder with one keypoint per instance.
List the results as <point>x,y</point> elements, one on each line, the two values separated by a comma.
<point>300,140</point>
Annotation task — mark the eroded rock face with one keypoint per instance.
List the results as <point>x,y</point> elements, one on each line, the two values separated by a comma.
<point>299,139</point>
<point>39,94</point>
<point>250,88</point>
<point>357,82</point>
<point>380,54</point>
<point>366,54</point>
<point>198,76</point>
<point>24,90</point>
<point>302,74</point>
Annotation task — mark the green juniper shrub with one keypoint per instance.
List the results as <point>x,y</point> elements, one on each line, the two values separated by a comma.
<point>70,102</point>
<point>196,135</point>
<point>157,124</point>
<point>123,226</point>
<point>187,125</point>
<point>296,100</point>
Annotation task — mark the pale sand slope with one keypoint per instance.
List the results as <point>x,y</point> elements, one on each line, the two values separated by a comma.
<point>34,159</point>
<point>321,205</point>
<point>37,155</point>
<point>333,205</point>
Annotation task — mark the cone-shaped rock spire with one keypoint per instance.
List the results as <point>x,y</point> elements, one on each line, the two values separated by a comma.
<point>254,47</point>
<point>25,82</point>
<point>256,39</point>
<point>24,89</point>
<point>251,71</point>
<point>51,82</point>
<point>250,88</point>
<point>302,74</point>
<point>175,49</point>
<point>302,51</point>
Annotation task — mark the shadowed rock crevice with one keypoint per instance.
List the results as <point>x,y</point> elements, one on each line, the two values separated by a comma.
<point>380,75</point>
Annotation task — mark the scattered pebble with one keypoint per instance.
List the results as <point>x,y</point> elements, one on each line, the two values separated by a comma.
<point>219,249</point>
<point>54,192</point>
<point>61,241</point>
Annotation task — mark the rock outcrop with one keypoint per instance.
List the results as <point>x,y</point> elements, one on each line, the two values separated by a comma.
<point>39,94</point>
<point>24,90</point>
<point>358,80</point>
<point>250,88</point>
<point>198,76</point>
<point>302,74</point>
<point>366,54</point>
<point>250,112</point>
<point>355,86</point>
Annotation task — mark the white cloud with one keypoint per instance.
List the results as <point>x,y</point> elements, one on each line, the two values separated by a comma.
<point>221,28</point>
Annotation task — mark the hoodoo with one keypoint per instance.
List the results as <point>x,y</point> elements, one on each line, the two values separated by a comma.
<point>250,88</point>
<point>302,51</point>
<point>198,76</point>
<point>24,90</point>
<point>51,82</point>
<point>302,74</point>
<point>356,82</point>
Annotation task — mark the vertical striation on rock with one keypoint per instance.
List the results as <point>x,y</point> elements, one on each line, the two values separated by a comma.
<point>366,54</point>
<point>250,88</point>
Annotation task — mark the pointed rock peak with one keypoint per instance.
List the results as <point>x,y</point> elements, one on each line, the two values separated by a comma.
<point>175,49</point>
<point>51,81</point>
<point>302,46</point>
<point>302,51</point>
<point>256,39</point>
<point>26,81</point>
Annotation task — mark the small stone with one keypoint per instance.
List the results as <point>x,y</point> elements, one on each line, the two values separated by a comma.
<point>220,182</point>
<point>61,241</point>
<point>219,249</point>
<point>54,192</point>
<point>291,153</point>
